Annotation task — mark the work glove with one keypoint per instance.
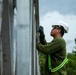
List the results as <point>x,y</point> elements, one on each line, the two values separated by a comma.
<point>41,30</point>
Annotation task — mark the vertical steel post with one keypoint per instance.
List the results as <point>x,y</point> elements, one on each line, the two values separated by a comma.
<point>34,72</point>
<point>37,34</point>
<point>24,37</point>
<point>35,23</point>
<point>11,31</point>
<point>6,39</point>
<point>26,55</point>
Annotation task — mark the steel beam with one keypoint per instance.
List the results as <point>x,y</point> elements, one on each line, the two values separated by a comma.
<point>24,37</point>
<point>6,32</point>
<point>36,5</point>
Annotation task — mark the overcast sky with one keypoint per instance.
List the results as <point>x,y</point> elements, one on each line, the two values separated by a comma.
<point>52,11</point>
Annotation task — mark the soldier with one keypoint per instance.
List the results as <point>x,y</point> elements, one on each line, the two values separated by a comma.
<point>55,50</point>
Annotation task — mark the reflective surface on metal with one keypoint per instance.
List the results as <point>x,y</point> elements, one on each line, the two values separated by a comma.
<point>14,44</point>
<point>34,45</point>
<point>24,38</point>
<point>11,32</point>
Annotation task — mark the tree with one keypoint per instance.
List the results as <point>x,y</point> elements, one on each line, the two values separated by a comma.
<point>71,66</point>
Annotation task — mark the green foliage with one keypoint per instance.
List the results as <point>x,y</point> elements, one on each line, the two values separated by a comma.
<point>71,66</point>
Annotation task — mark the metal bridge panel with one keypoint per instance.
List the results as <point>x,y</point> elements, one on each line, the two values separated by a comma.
<point>24,38</point>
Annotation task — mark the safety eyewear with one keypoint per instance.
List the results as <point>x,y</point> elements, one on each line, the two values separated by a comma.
<point>56,28</point>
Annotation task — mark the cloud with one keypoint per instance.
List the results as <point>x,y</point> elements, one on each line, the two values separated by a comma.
<point>69,41</point>
<point>66,7</point>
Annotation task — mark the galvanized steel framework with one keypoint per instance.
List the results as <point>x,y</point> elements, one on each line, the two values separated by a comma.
<point>18,50</point>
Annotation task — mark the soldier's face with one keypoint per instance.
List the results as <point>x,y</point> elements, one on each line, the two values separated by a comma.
<point>55,31</point>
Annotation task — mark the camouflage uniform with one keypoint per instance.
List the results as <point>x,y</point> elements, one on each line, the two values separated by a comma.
<point>57,50</point>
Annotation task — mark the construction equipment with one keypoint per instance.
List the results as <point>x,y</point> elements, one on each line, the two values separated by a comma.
<point>18,30</point>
